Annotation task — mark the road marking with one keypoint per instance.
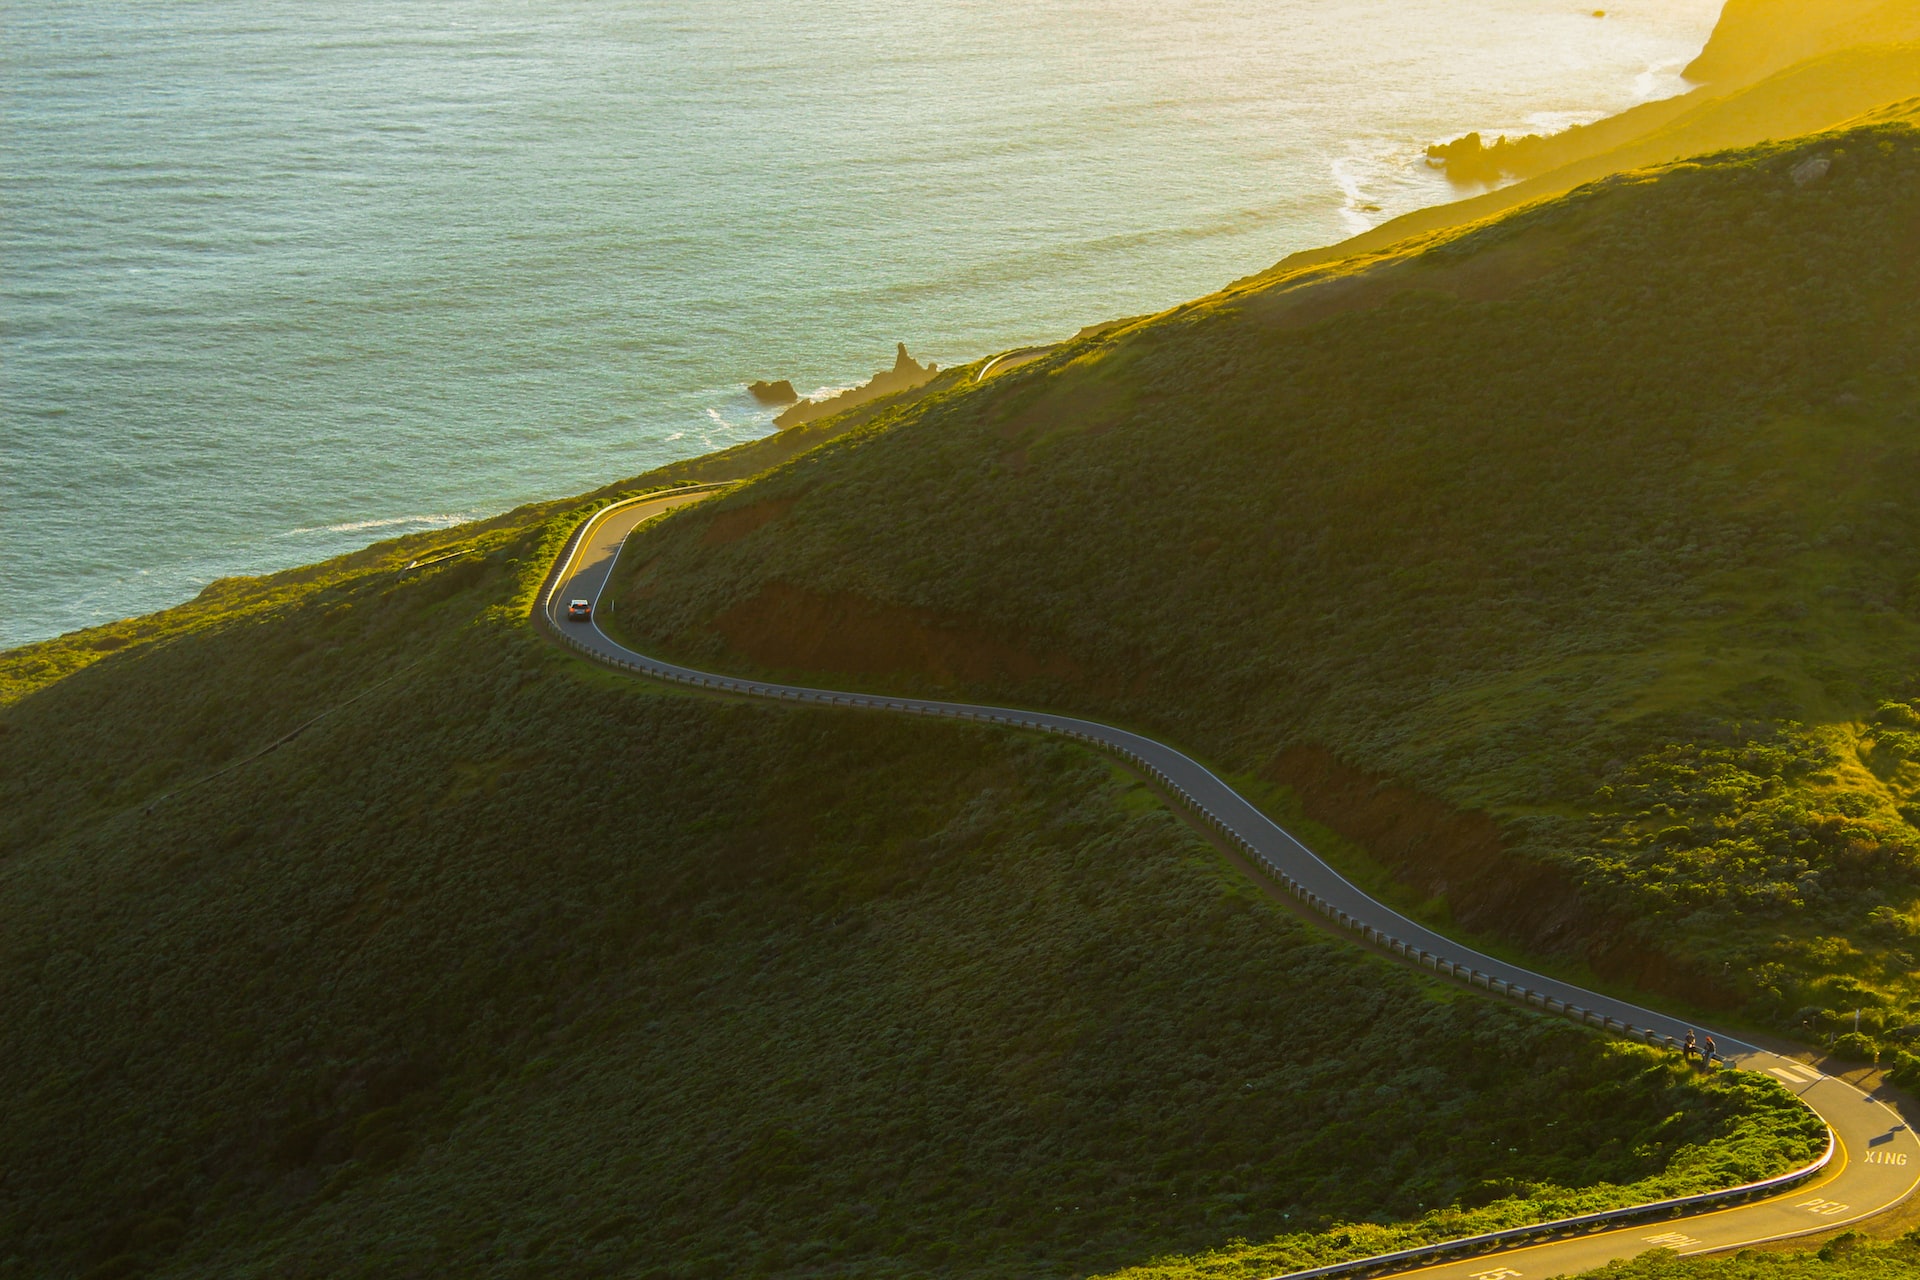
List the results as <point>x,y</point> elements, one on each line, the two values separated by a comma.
<point>1825,1208</point>
<point>1672,1240</point>
<point>1884,1157</point>
<point>1498,1273</point>
<point>1795,1074</point>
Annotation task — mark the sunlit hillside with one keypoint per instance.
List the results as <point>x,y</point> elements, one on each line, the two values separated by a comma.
<point>1809,96</point>
<point>1755,38</point>
<point>1773,69</point>
<point>1569,564</point>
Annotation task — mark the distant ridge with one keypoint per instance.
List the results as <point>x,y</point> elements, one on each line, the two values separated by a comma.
<point>1772,69</point>
<point>1755,38</point>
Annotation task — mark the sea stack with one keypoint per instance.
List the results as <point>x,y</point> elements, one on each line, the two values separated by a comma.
<point>906,374</point>
<point>773,393</point>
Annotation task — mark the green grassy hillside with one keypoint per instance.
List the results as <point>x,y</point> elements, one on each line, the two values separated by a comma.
<point>504,966</point>
<point>1570,563</point>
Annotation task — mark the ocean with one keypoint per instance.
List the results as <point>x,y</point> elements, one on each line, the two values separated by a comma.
<point>279,278</point>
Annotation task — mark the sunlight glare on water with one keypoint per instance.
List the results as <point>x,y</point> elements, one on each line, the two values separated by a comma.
<point>280,278</point>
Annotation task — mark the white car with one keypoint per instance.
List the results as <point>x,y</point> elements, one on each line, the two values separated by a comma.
<point>579,610</point>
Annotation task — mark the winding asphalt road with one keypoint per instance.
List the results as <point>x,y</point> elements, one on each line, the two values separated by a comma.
<point>1874,1162</point>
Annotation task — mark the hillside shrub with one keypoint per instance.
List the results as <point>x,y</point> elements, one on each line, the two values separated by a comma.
<point>1856,1046</point>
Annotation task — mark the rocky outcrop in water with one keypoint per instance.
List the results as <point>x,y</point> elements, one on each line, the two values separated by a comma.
<point>773,393</point>
<point>906,374</point>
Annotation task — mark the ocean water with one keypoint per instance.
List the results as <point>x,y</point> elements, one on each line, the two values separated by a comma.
<point>279,278</point>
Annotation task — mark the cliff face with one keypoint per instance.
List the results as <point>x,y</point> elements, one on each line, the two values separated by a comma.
<point>1755,38</point>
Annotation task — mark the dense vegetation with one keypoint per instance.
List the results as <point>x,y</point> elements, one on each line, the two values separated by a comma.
<point>1598,518</point>
<point>507,967</point>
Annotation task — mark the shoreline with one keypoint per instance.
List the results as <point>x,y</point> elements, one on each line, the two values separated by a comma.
<point>258,559</point>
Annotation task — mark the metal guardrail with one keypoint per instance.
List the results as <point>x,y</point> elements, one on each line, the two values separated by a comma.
<point>1467,1246</point>
<point>543,599</point>
<point>1014,355</point>
<point>1584,1224</point>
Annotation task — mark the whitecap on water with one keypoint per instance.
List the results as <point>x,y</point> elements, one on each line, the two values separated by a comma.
<point>445,521</point>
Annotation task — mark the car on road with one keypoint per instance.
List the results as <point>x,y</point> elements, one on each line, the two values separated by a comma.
<point>579,610</point>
